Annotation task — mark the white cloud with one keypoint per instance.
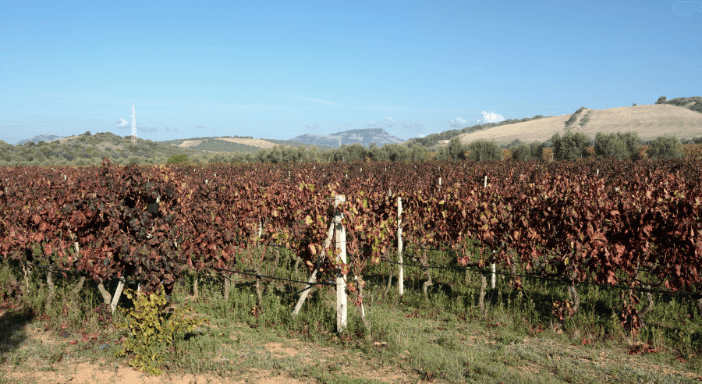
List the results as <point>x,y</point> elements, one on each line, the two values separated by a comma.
<point>457,122</point>
<point>371,124</point>
<point>422,135</point>
<point>121,123</point>
<point>490,117</point>
<point>389,122</point>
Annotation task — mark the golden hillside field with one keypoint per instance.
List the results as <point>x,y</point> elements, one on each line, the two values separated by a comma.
<point>649,121</point>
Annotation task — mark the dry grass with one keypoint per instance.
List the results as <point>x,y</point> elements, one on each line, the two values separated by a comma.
<point>649,121</point>
<point>252,142</point>
<point>189,143</point>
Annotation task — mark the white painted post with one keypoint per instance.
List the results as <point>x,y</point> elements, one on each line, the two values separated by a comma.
<point>492,266</point>
<point>341,307</point>
<point>492,278</point>
<point>118,293</point>
<point>401,278</point>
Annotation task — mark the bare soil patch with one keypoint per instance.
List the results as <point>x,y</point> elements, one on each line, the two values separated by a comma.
<point>89,373</point>
<point>76,366</point>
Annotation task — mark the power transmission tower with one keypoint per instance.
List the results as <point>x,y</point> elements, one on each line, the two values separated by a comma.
<point>134,134</point>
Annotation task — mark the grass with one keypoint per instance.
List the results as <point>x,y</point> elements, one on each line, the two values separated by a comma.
<point>444,339</point>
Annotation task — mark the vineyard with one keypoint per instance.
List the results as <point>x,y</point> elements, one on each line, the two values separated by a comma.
<point>631,226</point>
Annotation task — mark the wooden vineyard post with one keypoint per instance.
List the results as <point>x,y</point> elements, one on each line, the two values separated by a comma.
<point>81,282</point>
<point>118,293</point>
<point>313,278</point>
<point>401,276</point>
<point>341,307</point>
<point>492,266</point>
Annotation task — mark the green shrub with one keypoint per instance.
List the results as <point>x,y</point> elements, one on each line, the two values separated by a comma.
<point>151,329</point>
<point>521,152</point>
<point>666,147</point>
<point>178,159</point>
<point>455,150</point>
<point>571,146</point>
<point>484,150</point>
<point>618,145</point>
<point>526,152</point>
<point>584,120</point>
<point>574,117</point>
<point>661,100</point>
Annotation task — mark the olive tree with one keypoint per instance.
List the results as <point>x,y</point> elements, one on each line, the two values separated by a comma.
<point>666,147</point>
<point>178,159</point>
<point>571,146</point>
<point>484,150</point>
<point>525,152</point>
<point>618,145</point>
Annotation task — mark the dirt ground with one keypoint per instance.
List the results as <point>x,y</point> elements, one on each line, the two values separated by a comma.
<point>76,368</point>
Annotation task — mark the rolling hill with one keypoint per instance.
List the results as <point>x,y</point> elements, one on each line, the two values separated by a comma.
<point>649,121</point>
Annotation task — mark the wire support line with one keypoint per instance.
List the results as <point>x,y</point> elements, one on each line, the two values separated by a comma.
<point>266,277</point>
<point>562,281</point>
<point>420,265</point>
<point>79,273</point>
<point>129,281</point>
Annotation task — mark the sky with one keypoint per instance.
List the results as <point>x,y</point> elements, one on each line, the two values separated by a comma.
<point>278,69</point>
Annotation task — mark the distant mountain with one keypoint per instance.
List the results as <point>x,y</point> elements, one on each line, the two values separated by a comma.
<point>246,144</point>
<point>361,136</point>
<point>39,138</point>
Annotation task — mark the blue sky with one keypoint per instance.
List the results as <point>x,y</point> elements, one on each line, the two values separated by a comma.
<point>278,69</point>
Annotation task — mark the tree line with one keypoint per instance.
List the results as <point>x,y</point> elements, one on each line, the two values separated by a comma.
<point>89,149</point>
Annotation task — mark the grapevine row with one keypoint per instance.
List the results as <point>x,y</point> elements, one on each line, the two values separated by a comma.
<point>603,221</point>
